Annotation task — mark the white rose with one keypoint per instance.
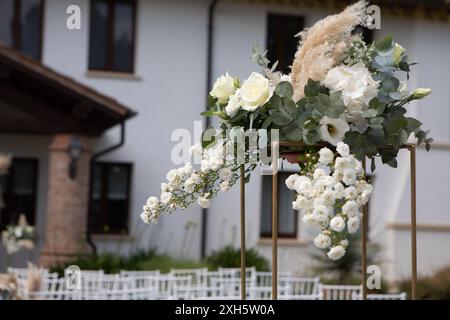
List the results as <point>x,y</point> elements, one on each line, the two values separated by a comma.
<point>350,208</point>
<point>172,175</point>
<point>225,173</point>
<point>343,149</point>
<point>255,92</point>
<point>356,83</point>
<point>319,173</point>
<point>326,156</point>
<point>204,202</point>
<point>336,252</point>
<point>352,224</point>
<point>234,104</point>
<point>337,224</point>
<point>152,202</point>
<point>349,176</point>
<point>223,88</point>
<point>302,203</point>
<point>328,198</point>
<point>322,241</point>
<point>166,187</point>
<point>333,130</point>
<point>225,186</point>
<point>189,186</point>
<point>350,193</point>
<point>339,190</point>
<point>165,197</point>
<point>303,185</point>
<point>145,217</point>
<point>291,181</point>
<point>196,149</point>
<point>344,243</point>
<point>365,196</point>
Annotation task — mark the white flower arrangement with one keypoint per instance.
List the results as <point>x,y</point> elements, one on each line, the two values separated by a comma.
<point>18,237</point>
<point>330,195</point>
<point>342,93</point>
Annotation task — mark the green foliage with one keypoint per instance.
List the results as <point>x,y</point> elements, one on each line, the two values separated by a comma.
<point>141,260</point>
<point>434,287</point>
<point>229,257</point>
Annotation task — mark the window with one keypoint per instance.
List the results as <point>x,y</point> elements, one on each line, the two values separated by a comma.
<point>19,190</point>
<point>21,25</point>
<point>281,40</point>
<point>112,33</point>
<point>111,197</point>
<point>287,217</point>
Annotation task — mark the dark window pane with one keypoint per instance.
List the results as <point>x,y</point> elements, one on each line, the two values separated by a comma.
<point>281,40</point>
<point>30,21</point>
<point>6,21</point>
<point>366,33</point>
<point>123,37</point>
<point>111,197</point>
<point>19,191</point>
<point>287,217</point>
<point>98,35</point>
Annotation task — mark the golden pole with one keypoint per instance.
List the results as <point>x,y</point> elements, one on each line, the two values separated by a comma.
<point>275,221</point>
<point>412,151</point>
<point>243,294</point>
<point>364,244</point>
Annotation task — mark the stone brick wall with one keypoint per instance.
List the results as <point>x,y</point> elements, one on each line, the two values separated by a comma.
<point>67,203</point>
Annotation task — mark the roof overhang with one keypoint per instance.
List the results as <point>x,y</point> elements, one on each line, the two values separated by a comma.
<point>35,99</point>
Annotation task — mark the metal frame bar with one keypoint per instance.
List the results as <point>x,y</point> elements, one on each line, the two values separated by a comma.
<point>275,155</point>
<point>243,275</point>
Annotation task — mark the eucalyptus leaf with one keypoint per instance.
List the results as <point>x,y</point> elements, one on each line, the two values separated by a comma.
<point>284,89</point>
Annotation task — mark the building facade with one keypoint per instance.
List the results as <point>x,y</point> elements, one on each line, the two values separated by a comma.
<point>151,56</point>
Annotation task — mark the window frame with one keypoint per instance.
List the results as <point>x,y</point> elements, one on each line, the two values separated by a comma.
<point>104,198</point>
<point>281,235</point>
<point>109,59</point>
<point>16,36</point>
<point>302,20</point>
<point>8,192</point>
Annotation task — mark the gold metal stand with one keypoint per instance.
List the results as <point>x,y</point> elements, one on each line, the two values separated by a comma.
<point>243,282</point>
<point>275,155</point>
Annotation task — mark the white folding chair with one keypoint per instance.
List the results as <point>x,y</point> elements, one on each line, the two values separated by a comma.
<point>384,296</point>
<point>299,288</point>
<point>338,292</point>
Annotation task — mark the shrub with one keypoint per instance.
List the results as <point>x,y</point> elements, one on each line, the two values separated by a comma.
<point>434,287</point>
<point>141,260</point>
<point>229,257</point>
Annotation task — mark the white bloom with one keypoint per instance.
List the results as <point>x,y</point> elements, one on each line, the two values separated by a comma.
<point>18,232</point>
<point>195,178</point>
<point>196,149</point>
<point>352,224</point>
<point>326,156</point>
<point>303,204</point>
<point>189,185</point>
<point>344,243</point>
<point>255,92</point>
<point>343,149</point>
<point>342,163</point>
<point>339,190</point>
<point>172,175</point>
<point>350,208</point>
<point>336,252</point>
<point>145,217</point>
<point>234,104</point>
<point>203,201</point>
<point>350,193</point>
<point>365,196</point>
<point>319,173</point>
<point>166,197</point>
<point>356,83</point>
<point>152,202</point>
<point>166,187</point>
<point>225,174</point>
<point>303,185</point>
<point>223,88</point>
<point>322,241</point>
<point>291,181</point>
<point>349,177</point>
<point>337,224</point>
<point>333,130</point>
<point>225,186</point>
<point>328,198</point>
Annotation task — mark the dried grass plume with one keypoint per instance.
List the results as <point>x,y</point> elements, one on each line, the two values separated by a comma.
<point>322,46</point>
<point>34,279</point>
